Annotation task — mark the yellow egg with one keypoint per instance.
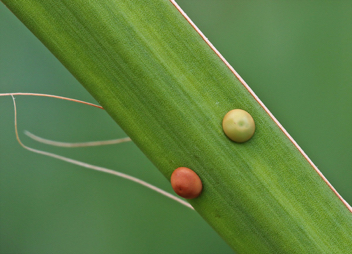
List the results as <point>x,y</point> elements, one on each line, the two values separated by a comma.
<point>238,125</point>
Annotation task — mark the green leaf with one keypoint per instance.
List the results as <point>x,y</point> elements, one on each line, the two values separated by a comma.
<point>163,84</point>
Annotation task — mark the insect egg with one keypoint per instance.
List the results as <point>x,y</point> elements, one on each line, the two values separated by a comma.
<point>186,183</point>
<point>238,125</point>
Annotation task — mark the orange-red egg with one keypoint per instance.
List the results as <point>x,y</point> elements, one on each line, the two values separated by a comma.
<point>186,183</point>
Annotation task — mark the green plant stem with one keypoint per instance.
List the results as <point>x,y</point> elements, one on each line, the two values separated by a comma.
<point>163,84</point>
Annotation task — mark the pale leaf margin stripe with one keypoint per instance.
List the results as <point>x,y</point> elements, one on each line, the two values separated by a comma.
<point>260,103</point>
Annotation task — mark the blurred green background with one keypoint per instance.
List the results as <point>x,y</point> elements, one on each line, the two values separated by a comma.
<point>295,55</point>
